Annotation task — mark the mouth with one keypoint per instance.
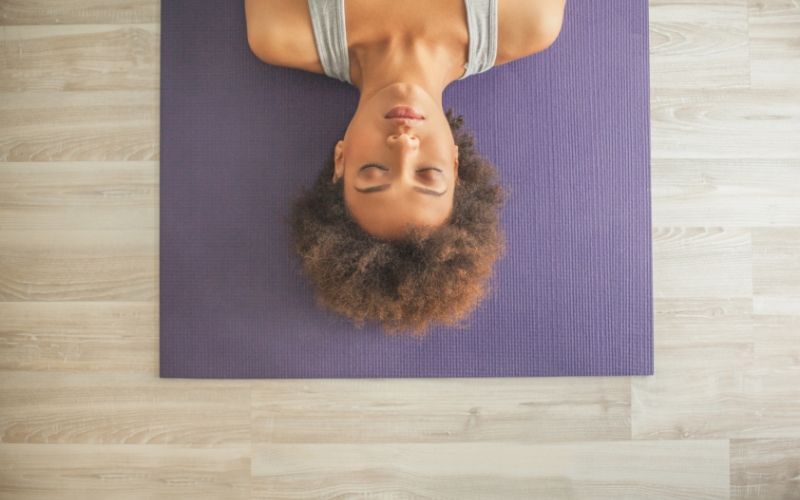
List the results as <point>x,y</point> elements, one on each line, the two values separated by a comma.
<point>404,112</point>
<point>404,121</point>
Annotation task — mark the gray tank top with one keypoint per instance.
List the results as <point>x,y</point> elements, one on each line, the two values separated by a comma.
<point>330,36</point>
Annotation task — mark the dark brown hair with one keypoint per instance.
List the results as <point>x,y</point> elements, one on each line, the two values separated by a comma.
<point>405,283</point>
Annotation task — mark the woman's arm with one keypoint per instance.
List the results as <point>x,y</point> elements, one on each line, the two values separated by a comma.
<point>279,32</point>
<point>527,27</point>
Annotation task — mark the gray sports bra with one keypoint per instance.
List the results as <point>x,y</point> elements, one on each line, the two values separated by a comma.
<point>330,36</point>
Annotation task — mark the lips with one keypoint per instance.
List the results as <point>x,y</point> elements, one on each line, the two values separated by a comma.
<point>406,112</point>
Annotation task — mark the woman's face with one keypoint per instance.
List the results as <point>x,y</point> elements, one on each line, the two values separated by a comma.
<point>397,171</point>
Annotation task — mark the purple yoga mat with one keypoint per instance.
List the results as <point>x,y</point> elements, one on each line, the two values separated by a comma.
<point>568,130</point>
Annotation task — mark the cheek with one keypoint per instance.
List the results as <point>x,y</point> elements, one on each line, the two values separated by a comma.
<point>364,140</point>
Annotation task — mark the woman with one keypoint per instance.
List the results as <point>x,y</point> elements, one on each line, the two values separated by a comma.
<point>401,226</point>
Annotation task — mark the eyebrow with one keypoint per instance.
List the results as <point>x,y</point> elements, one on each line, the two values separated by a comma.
<point>384,187</point>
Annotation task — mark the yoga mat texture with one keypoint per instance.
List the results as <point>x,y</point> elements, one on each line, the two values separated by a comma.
<point>568,130</point>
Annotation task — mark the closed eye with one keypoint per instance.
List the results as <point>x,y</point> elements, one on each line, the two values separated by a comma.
<point>384,187</point>
<point>382,167</point>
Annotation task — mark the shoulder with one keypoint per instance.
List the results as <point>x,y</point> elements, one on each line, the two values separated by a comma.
<point>526,27</point>
<point>279,32</point>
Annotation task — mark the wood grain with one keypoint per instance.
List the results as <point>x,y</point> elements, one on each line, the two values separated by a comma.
<point>84,415</point>
<point>79,57</point>
<point>686,469</point>
<point>732,193</point>
<point>101,195</point>
<point>524,409</point>
<point>78,337</point>
<point>66,265</point>
<point>122,408</point>
<point>89,126</point>
<point>124,471</point>
<point>699,45</point>
<point>730,124</point>
<point>48,13</point>
<point>774,43</point>
<point>765,468</point>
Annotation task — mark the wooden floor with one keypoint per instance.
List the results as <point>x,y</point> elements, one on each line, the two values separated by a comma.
<point>84,415</point>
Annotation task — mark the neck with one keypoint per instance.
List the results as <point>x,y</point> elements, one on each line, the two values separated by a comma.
<point>380,64</point>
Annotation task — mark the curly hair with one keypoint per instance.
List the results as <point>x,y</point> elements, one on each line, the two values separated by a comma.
<point>403,283</point>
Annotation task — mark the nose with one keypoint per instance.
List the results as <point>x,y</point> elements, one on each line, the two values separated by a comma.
<point>403,136</point>
<point>405,143</point>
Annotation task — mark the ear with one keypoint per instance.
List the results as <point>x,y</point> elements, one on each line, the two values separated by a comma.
<point>338,161</point>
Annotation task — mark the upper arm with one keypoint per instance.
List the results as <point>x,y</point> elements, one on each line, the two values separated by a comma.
<point>527,27</point>
<point>279,32</point>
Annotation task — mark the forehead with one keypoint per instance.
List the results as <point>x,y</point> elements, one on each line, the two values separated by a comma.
<point>377,215</point>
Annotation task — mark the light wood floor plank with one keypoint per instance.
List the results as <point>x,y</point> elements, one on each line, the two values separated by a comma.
<point>776,270</point>
<point>447,410</point>
<point>122,408</point>
<point>721,371</point>
<point>775,43</point>
<point>597,470</point>
<point>16,12</point>
<point>728,193</point>
<point>124,471</point>
<point>91,337</point>
<point>774,381</point>
<point>106,195</point>
<point>699,45</point>
<point>706,11</point>
<point>83,125</point>
<point>705,347</point>
<point>79,57</point>
<point>702,262</point>
<point>726,124</point>
<point>765,469</point>
<point>78,265</point>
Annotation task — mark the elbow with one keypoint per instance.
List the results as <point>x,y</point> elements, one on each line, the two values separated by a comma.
<point>255,42</point>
